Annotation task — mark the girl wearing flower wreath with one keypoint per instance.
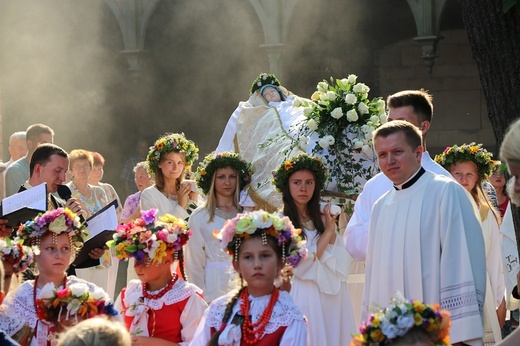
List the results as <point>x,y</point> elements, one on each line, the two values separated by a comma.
<point>471,165</point>
<point>169,159</point>
<point>221,177</point>
<point>258,314</point>
<point>319,284</point>
<point>15,257</point>
<point>160,308</point>
<point>40,308</point>
<point>405,322</point>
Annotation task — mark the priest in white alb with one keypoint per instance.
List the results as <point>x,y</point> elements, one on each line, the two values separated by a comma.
<point>425,238</point>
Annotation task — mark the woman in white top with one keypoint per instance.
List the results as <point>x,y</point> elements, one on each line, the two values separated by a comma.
<point>169,159</point>
<point>470,165</point>
<point>319,285</point>
<point>220,177</point>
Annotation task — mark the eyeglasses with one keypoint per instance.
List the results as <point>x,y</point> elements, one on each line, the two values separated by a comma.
<point>78,167</point>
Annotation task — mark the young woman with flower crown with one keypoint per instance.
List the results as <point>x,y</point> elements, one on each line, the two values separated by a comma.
<point>319,284</point>
<point>471,165</point>
<point>160,308</point>
<point>258,314</point>
<point>169,159</point>
<point>221,177</point>
<point>42,307</point>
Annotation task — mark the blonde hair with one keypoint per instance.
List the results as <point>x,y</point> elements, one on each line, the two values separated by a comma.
<point>97,331</point>
<point>211,198</point>
<point>80,154</point>
<point>510,148</point>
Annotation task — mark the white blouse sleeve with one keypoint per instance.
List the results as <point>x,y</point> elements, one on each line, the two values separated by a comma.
<point>191,317</point>
<point>196,255</point>
<point>295,334</point>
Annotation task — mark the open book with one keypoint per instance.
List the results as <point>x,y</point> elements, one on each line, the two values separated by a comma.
<point>25,205</point>
<point>101,226</point>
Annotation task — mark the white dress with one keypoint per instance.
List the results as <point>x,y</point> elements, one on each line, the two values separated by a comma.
<point>18,309</point>
<point>207,266</point>
<point>286,314</point>
<point>319,288</point>
<point>151,197</point>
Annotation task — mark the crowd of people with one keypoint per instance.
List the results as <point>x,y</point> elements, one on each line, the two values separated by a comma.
<point>430,243</point>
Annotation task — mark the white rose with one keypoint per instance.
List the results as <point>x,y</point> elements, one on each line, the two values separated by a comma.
<point>350,99</point>
<point>323,87</point>
<point>315,96</point>
<point>329,139</point>
<point>352,78</point>
<point>374,119</point>
<point>171,237</point>
<point>369,135</point>
<point>324,97</point>
<point>366,149</point>
<point>312,124</point>
<point>361,88</point>
<point>352,115</point>
<point>323,143</point>
<point>381,106</point>
<point>297,102</point>
<point>304,141</point>
<point>331,95</point>
<point>365,128</point>
<point>99,294</point>
<point>363,108</point>
<point>383,118</point>
<point>261,219</point>
<point>307,111</point>
<point>357,144</point>
<point>78,289</point>
<point>344,81</point>
<point>47,291</point>
<point>337,113</point>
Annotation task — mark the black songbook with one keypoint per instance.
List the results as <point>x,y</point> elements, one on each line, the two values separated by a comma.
<point>24,206</point>
<point>101,227</point>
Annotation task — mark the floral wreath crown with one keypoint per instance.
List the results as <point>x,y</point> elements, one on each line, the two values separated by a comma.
<point>468,152</point>
<point>150,237</point>
<point>212,162</point>
<point>56,306</point>
<point>171,142</point>
<point>57,221</point>
<point>399,318</point>
<point>297,163</point>
<point>266,224</point>
<point>263,79</point>
<point>12,251</point>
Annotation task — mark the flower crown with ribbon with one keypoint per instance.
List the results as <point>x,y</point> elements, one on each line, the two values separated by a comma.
<point>468,152</point>
<point>212,162</point>
<point>12,251</point>
<point>56,222</point>
<point>266,224</point>
<point>264,79</point>
<point>297,163</point>
<point>149,237</point>
<point>172,142</point>
<point>399,318</point>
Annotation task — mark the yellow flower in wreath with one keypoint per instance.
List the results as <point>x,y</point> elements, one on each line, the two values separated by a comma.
<point>288,165</point>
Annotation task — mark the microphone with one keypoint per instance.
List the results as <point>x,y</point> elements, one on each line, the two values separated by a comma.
<point>65,193</point>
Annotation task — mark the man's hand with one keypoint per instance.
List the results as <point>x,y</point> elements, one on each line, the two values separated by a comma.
<point>76,206</point>
<point>97,252</point>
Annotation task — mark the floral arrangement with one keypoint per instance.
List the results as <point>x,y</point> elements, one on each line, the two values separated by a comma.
<point>244,225</point>
<point>468,152</point>
<point>150,237</point>
<point>171,142</point>
<point>344,118</point>
<point>12,251</point>
<point>296,163</point>
<point>399,318</point>
<point>264,79</point>
<point>56,221</point>
<point>212,162</point>
<point>74,301</point>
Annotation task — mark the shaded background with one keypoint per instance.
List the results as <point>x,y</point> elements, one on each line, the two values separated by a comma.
<point>61,65</point>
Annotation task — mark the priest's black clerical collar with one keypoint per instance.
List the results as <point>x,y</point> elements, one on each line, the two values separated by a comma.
<point>410,181</point>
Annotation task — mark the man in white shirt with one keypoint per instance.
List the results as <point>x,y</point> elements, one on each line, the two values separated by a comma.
<point>425,238</point>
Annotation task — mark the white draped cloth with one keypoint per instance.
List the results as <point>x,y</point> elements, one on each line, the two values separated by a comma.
<point>207,266</point>
<point>151,197</point>
<point>426,242</point>
<point>319,287</point>
<point>509,257</point>
<point>285,314</point>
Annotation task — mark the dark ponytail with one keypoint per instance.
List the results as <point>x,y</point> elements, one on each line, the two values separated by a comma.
<point>227,314</point>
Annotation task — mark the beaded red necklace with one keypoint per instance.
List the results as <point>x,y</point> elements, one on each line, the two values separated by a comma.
<point>163,290</point>
<point>256,330</point>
